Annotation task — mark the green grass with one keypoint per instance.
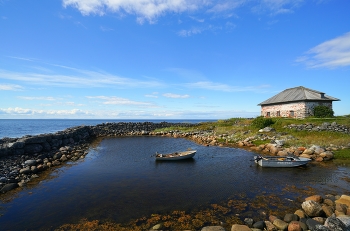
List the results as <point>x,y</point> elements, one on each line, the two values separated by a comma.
<point>342,154</point>
<point>241,128</point>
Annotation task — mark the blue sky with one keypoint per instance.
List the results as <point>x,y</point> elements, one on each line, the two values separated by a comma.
<point>168,59</point>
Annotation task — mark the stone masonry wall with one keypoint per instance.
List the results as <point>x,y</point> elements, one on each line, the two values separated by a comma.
<point>300,109</point>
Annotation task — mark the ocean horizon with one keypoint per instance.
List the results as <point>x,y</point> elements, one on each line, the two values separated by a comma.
<point>16,128</point>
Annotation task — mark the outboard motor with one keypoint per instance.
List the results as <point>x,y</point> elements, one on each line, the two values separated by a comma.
<point>257,158</point>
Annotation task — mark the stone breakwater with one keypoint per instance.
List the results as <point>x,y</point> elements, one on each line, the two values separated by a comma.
<point>334,127</point>
<point>317,213</point>
<point>22,159</point>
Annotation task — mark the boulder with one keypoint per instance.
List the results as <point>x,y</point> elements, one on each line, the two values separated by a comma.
<point>321,220</point>
<point>305,156</point>
<point>316,198</point>
<point>280,224</point>
<point>294,226</point>
<point>339,207</point>
<point>315,225</point>
<point>267,129</point>
<point>308,151</point>
<point>344,199</point>
<point>328,210</point>
<point>335,224</point>
<point>300,213</point>
<point>345,220</point>
<point>30,162</point>
<point>236,228</point>
<point>312,208</point>
<point>259,225</point>
<point>25,171</point>
<point>270,226</point>
<point>328,202</point>
<point>272,218</point>
<point>8,187</point>
<point>213,228</point>
<point>290,217</point>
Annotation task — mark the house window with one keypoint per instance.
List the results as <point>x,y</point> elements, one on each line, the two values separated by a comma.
<point>291,113</point>
<point>278,114</point>
<point>267,114</point>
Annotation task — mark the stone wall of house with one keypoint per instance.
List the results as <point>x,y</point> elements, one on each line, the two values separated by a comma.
<point>293,110</point>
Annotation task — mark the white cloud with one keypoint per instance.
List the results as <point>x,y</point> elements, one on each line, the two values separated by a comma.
<point>143,9</point>
<point>150,10</point>
<point>330,54</point>
<point>17,111</point>
<point>224,87</point>
<point>175,96</point>
<point>277,6</point>
<point>153,95</point>
<point>49,98</point>
<point>78,78</point>
<point>112,100</point>
<point>10,87</point>
<point>190,32</point>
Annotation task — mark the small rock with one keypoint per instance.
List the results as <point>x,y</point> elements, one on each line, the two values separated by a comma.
<point>249,222</point>
<point>157,226</point>
<point>30,162</point>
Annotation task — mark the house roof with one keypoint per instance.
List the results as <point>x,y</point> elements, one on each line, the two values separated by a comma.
<point>298,94</point>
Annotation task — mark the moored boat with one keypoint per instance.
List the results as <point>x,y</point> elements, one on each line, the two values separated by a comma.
<point>281,162</point>
<point>176,155</point>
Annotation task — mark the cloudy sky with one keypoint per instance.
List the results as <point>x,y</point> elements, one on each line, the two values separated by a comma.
<point>168,59</point>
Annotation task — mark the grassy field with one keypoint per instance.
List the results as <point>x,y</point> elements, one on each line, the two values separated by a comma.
<point>240,128</point>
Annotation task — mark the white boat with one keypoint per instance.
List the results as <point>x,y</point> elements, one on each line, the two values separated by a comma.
<point>176,155</point>
<point>281,162</point>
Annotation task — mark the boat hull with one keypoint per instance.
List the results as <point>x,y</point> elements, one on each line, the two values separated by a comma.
<point>176,156</point>
<point>281,162</point>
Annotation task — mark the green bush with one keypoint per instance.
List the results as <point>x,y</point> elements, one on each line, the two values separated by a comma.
<point>262,122</point>
<point>323,112</point>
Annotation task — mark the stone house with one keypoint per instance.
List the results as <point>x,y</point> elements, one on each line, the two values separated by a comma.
<point>297,102</point>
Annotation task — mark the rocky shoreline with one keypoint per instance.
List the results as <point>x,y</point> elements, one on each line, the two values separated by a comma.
<point>22,159</point>
<point>331,213</point>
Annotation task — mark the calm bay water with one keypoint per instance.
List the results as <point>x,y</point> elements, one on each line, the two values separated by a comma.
<point>119,180</point>
<point>15,128</point>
